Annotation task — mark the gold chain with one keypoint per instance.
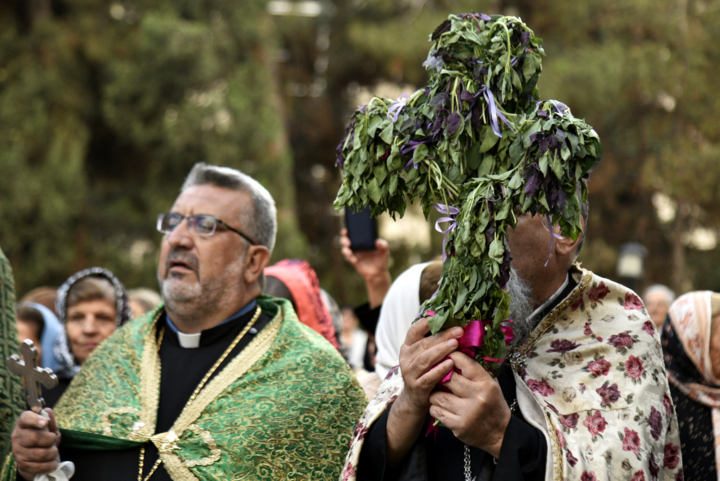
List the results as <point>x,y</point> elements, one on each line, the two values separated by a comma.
<point>227,352</point>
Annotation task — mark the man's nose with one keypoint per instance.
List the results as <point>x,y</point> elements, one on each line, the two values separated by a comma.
<point>180,235</point>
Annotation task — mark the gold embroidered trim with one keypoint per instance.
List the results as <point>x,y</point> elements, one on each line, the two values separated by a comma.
<point>179,470</point>
<point>519,358</point>
<point>556,450</point>
<point>105,419</point>
<point>550,319</point>
<point>149,382</point>
<point>208,439</point>
<point>233,371</point>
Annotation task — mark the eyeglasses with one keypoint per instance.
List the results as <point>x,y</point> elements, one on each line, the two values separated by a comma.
<point>203,225</point>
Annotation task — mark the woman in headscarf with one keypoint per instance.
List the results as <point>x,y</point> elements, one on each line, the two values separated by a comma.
<point>91,305</point>
<point>296,281</point>
<point>691,343</point>
<point>49,333</point>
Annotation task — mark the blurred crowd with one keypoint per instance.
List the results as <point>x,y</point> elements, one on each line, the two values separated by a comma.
<point>67,324</point>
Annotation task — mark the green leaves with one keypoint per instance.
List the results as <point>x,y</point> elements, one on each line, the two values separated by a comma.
<point>473,139</point>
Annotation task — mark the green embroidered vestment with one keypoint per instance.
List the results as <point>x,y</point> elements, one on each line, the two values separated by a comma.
<point>284,408</point>
<point>11,394</point>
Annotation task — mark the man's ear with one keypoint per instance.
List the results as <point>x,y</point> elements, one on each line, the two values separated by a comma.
<point>565,245</point>
<point>258,258</point>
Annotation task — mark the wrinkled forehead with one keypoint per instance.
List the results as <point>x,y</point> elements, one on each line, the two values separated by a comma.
<point>215,201</point>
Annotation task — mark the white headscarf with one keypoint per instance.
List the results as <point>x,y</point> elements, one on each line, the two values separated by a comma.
<point>399,310</point>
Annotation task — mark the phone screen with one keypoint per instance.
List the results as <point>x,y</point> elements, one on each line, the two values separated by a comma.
<point>362,229</point>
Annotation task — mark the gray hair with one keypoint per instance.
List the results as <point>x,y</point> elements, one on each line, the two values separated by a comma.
<point>261,221</point>
<point>660,289</point>
<point>521,307</point>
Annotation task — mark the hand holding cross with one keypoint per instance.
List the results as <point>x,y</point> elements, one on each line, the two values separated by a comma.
<point>34,375</point>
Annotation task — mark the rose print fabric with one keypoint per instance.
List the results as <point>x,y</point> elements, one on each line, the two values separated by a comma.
<point>686,341</point>
<point>594,365</point>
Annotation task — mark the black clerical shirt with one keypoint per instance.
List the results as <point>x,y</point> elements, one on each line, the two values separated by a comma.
<point>523,454</point>
<point>182,371</point>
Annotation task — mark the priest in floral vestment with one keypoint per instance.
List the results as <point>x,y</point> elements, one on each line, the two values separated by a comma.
<point>219,383</point>
<point>583,396</point>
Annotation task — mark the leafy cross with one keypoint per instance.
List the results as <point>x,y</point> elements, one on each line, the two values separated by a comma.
<point>476,145</point>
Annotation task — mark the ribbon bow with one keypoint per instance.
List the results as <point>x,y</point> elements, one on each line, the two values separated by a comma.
<point>397,107</point>
<point>494,112</point>
<point>451,212</point>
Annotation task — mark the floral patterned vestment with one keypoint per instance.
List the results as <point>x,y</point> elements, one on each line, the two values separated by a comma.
<point>591,377</point>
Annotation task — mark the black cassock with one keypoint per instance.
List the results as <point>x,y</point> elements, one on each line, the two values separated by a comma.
<point>523,454</point>
<point>182,371</point>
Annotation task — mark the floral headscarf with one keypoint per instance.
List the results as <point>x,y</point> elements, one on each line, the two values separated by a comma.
<point>67,364</point>
<point>686,342</point>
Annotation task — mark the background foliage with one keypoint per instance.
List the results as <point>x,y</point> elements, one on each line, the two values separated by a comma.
<point>105,105</point>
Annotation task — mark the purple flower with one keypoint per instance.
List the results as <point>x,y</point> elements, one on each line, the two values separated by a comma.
<point>619,341</point>
<point>649,327</point>
<point>639,476</point>
<point>541,387</point>
<point>609,394</point>
<point>631,441</point>
<point>672,456</point>
<point>655,422</point>
<point>598,293</point>
<point>572,460</point>
<point>634,367</point>
<point>632,302</point>
<point>654,468</point>
<point>561,346</point>
<point>595,423</point>
<point>569,421</point>
<point>667,403</point>
<point>600,367</point>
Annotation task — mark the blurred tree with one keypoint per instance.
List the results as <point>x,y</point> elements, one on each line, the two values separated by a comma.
<point>642,73</point>
<point>105,106</point>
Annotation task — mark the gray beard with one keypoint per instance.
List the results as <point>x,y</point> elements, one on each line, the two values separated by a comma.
<point>521,306</point>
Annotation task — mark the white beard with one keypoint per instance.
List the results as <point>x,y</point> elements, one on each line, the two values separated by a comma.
<point>521,306</point>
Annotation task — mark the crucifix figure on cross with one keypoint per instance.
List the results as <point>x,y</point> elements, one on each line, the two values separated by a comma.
<point>33,374</point>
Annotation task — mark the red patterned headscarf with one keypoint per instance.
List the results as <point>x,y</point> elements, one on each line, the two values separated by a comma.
<point>302,282</point>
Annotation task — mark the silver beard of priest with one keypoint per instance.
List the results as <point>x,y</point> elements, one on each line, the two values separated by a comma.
<point>521,306</point>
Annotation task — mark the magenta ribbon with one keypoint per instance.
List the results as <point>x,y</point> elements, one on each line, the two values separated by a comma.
<point>494,112</point>
<point>397,107</point>
<point>451,212</point>
<point>473,337</point>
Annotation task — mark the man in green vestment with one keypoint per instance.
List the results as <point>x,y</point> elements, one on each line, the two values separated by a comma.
<point>220,382</point>
<point>11,398</point>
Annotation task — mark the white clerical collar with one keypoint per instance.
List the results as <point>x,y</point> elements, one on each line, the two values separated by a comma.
<point>192,341</point>
<point>551,298</point>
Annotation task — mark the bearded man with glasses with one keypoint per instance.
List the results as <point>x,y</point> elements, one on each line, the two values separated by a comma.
<point>219,383</point>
